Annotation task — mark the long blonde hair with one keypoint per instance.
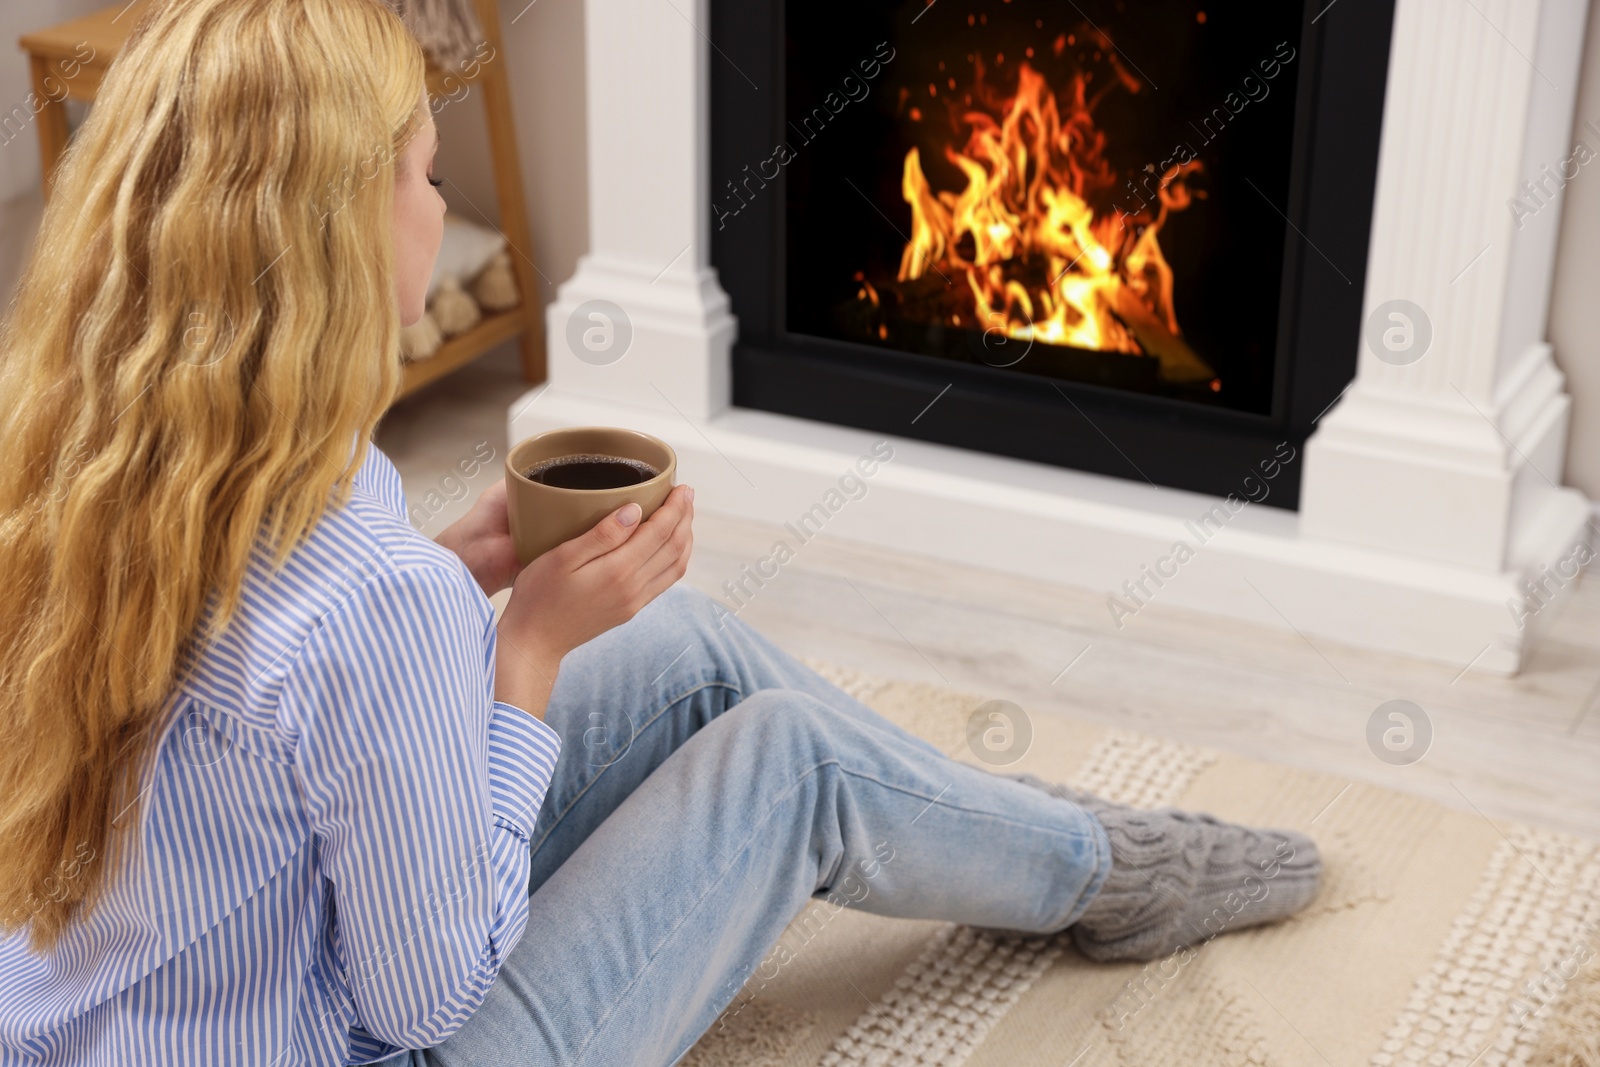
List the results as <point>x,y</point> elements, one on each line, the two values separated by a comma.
<point>206,326</point>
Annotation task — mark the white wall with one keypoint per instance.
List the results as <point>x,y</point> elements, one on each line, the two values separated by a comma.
<point>19,158</point>
<point>1575,297</point>
<point>544,53</point>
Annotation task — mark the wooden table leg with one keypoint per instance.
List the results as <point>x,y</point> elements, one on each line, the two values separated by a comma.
<point>532,344</point>
<point>51,120</point>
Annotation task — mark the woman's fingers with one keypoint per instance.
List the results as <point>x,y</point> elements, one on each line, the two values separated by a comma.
<point>633,556</point>
<point>673,554</point>
<point>618,529</point>
<point>676,545</point>
<point>670,570</point>
<point>670,561</point>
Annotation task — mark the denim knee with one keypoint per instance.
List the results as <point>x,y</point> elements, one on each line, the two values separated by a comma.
<point>773,720</point>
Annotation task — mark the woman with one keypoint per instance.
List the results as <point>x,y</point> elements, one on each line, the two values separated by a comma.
<point>275,788</point>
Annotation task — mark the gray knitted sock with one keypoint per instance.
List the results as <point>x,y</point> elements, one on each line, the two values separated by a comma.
<point>1180,878</point>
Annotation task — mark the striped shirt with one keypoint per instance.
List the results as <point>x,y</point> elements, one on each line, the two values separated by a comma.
<point>333,833</point>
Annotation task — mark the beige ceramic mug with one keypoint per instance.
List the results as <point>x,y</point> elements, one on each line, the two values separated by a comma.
<point>543,516</point>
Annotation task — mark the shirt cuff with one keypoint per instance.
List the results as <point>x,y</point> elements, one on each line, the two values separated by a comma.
<point>522,761</point>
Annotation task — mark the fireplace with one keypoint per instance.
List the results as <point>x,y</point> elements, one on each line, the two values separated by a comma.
<point>1128,239</point>
<point>1428,492</point>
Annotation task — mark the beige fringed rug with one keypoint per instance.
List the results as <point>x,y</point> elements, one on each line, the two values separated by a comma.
<point>1439,938</point>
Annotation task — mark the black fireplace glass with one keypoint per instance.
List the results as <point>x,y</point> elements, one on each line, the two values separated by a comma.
<point>1087,191</point>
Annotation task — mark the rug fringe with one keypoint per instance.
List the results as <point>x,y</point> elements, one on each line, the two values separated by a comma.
<point>1572,1038</point>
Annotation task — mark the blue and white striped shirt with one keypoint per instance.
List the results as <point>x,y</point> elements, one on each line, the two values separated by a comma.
<point>333,834</point>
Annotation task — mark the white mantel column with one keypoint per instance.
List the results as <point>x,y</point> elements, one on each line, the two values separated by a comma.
<point>1448,446</point>
<point>647,82</point>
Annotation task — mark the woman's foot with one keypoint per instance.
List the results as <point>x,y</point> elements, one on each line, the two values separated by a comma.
<point>1180,878</point>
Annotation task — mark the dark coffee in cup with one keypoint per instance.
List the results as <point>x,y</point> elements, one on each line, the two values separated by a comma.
<point>590,471</point>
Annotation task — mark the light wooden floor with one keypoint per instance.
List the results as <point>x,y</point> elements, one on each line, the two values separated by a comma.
<point>1525,748</point>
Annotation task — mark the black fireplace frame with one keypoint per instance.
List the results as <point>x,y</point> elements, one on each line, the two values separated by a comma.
<point>1165,441</point>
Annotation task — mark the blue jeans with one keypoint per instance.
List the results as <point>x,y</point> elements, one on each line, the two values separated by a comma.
<point>709,787</point>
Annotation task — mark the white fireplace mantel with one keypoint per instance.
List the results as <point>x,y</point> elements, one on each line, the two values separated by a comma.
<point>1432,490</point>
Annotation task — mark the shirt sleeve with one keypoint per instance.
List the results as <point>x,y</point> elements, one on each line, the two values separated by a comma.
<point>422,792</point>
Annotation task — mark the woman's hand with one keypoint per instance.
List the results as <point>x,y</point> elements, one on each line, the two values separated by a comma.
<point>584,587</point>
<point>482,538</point>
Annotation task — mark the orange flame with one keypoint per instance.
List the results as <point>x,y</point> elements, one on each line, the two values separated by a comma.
<point>1038,261</point>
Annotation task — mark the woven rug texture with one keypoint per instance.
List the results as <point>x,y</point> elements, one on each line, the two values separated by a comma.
<point>1439,938</point>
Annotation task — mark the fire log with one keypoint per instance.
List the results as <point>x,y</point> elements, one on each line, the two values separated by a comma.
<point>1179,362</point>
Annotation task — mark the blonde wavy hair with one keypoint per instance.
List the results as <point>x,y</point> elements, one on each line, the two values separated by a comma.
<point>206,326</point>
